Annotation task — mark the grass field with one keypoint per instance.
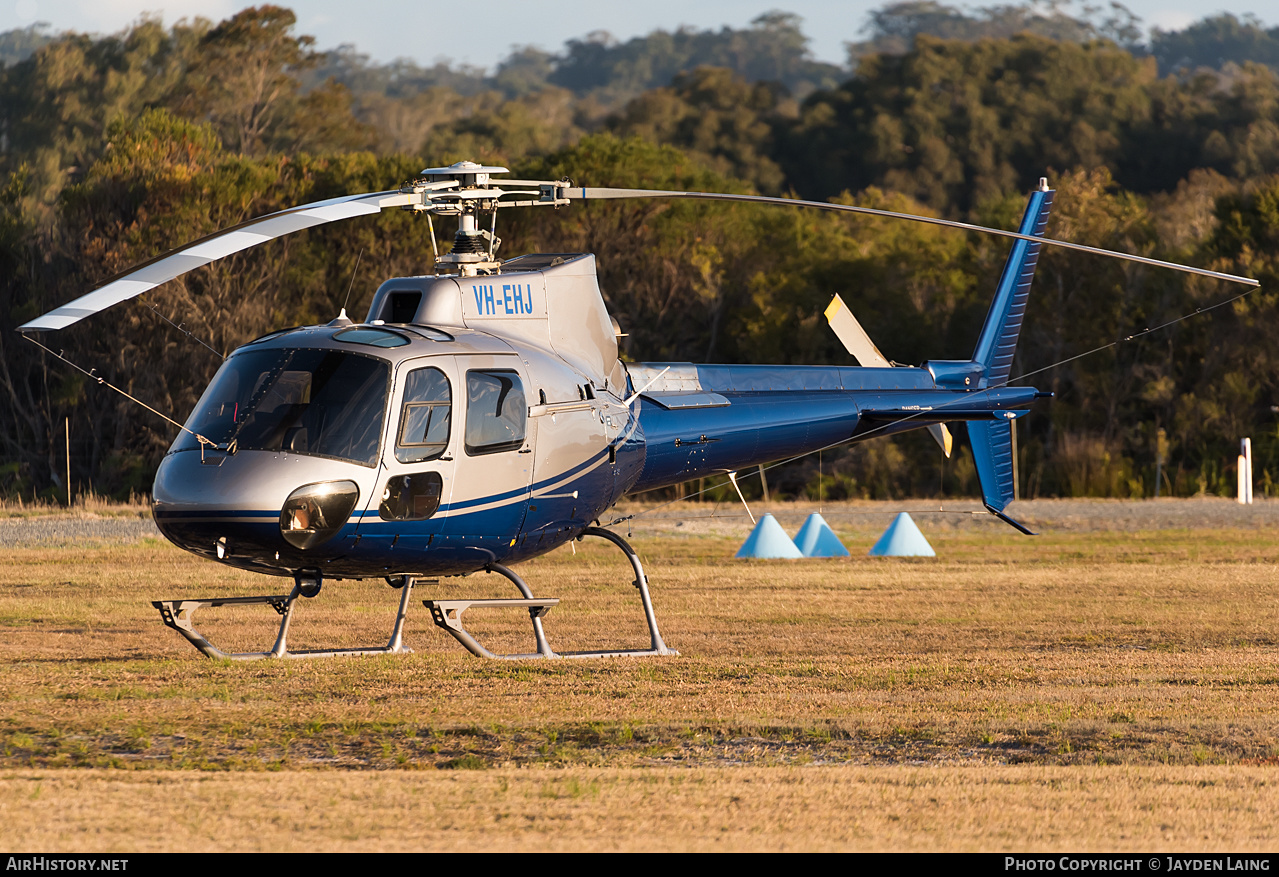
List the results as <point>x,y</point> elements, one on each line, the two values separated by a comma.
<point>1110,684</point>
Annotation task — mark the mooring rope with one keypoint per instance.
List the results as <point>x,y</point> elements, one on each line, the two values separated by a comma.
<point>101,380</point>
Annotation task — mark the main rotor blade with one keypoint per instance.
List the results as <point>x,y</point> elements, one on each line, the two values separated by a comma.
<point>216,246</point>
<point>579,193</point>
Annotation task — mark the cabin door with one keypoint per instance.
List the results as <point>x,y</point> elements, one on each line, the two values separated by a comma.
<point>493,456</point>
<point>415,479</point>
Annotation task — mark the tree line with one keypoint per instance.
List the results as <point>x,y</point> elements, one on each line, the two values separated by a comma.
<point>114,149</point>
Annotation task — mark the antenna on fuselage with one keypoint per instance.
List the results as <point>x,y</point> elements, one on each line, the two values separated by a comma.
<point>342,319</point>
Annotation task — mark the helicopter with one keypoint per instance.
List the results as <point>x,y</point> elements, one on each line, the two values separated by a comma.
<point>479,416</point>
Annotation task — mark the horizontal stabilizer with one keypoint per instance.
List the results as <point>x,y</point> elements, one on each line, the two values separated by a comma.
<point>949,412</point>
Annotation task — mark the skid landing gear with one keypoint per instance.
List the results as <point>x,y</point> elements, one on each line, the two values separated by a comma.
<point>447,614</point>
<point>177,614</point>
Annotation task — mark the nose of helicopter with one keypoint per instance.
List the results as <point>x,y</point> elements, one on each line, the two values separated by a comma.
<point>264,510</point>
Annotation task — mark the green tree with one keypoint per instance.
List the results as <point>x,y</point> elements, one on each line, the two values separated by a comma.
<point>893,28</point>
<point>56,105</point>
<point>952,124</point>
<point>495,130</point>
<point>772,49</point>
<point>716,117</point>
<point>1214,42</point>
<point>243,77</point>
<point>1236,390</point>
<point>671,272</point>
<point>19,44</point>
<point>909,284</point>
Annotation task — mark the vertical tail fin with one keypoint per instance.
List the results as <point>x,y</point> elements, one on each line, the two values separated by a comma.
<point>992,441</point>
<point>998,340</point>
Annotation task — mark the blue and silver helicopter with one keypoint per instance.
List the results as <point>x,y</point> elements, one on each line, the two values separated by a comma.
<point>479,416</point>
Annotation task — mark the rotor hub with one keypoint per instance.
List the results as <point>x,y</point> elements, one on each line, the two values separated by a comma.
<point>469,174</point>
<point>471,191</point>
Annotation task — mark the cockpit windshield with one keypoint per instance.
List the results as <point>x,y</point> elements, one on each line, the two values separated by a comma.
<point>325,403</point>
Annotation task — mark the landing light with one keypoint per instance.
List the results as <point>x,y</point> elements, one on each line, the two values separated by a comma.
<point>315,512</point>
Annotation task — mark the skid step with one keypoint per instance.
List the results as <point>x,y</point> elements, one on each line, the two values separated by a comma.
<point>170,609</point>
<point>447,614</point>
<point>178,614</point>
<point>459,606</point>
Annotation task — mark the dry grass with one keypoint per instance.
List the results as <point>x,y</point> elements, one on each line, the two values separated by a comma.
<point>1123,681</point>
<point>82,505</point>
<point>739,809</point>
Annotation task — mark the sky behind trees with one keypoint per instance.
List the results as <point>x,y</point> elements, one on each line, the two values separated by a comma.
<point>426,30</point>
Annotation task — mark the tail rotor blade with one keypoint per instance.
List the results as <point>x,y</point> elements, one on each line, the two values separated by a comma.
<point>858,343</point>
<point>853,336</point>
<point>943,437</point>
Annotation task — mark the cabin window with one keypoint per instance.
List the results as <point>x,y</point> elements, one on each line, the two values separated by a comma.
<point>425,416</point>
<point>495,411</point>
<point>411,497</point>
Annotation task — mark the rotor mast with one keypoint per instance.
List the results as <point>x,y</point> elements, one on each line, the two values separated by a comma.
<point>474,248</point>
<point>467,190</point>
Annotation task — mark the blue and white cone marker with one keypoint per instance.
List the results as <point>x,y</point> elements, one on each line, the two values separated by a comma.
<point>769,541</point>
<point>817,539</point>
<point>902,539</point>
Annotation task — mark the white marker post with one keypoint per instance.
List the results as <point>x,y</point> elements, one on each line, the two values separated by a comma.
<point>1245,471</point>
<point>1247,452</point>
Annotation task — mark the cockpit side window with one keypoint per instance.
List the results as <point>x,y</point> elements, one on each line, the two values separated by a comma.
<point>425,416</point>
<point>495,411</point>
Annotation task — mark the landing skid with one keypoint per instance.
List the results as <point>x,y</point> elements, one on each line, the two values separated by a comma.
<point>447,614</point>
<point>177,614</point>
